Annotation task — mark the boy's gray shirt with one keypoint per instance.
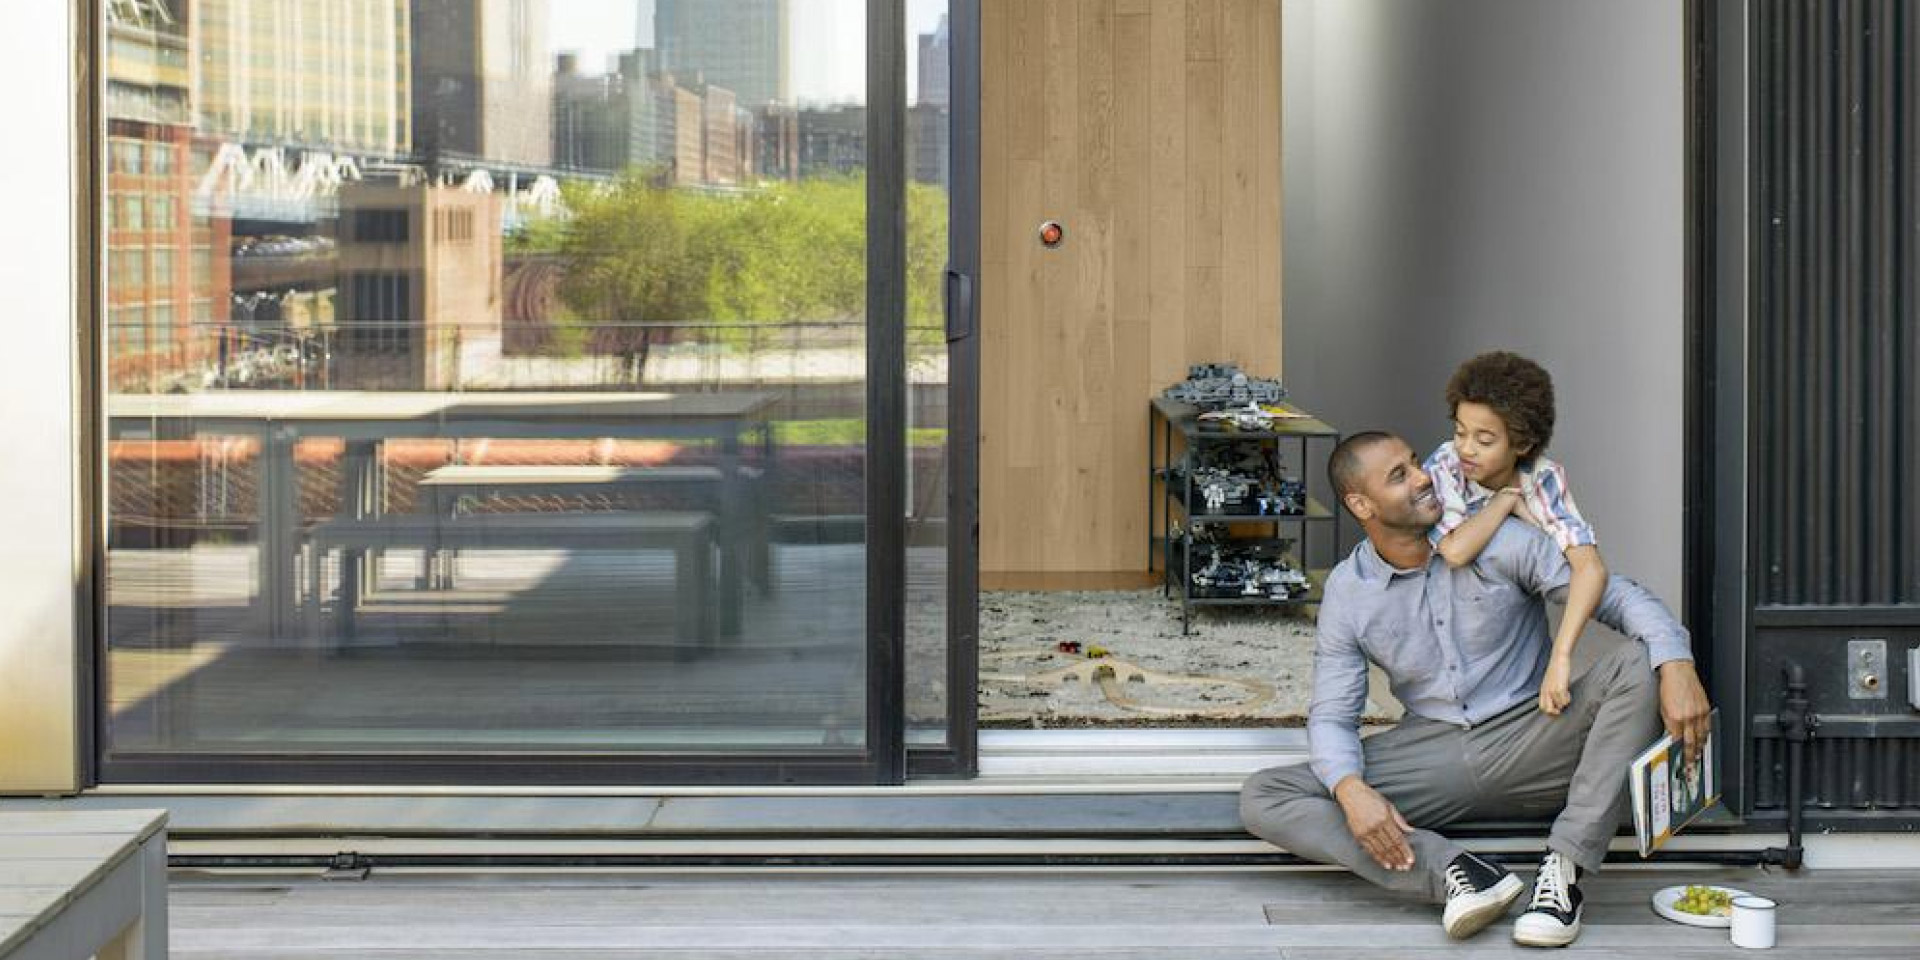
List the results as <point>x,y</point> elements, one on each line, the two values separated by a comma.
<point>1459,645</point>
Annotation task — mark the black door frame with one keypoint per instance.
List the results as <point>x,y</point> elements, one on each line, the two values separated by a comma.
<point>1713,495</point>
<point>1715,532</point>
<point>960,757</point>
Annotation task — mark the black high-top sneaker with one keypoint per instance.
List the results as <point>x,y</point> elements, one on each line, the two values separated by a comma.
<point>1553,920</point>
<point>1478,892</point>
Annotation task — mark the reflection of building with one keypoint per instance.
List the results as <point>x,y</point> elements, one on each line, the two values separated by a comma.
<point>719,147</point>
<point>330,75</point>
<point>833,141</point>
<point>776,140</point>
<point>591,118</point>
<point>703,143</point>
<point>482,86</point>
<point>685,161</point>
<point>649,109</point>
<point>928,159</point>
<point>419,286</point>
<point>148,78</point>
<point>611,122</point>
<point>166,266</point>
<point>936,66</point>
<point>694,132</point>
<point>928,121</point>
<point>741,45</point>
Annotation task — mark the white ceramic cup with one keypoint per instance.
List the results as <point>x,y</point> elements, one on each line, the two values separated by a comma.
<point>1753,922</point>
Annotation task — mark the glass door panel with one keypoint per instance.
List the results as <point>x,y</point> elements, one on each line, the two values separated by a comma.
<point>928,190</point>
<point>486,379</point>
<point>942,205</point>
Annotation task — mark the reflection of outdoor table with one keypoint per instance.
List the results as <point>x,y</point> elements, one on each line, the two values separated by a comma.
<point>365,418</point>
<point>443,489</point>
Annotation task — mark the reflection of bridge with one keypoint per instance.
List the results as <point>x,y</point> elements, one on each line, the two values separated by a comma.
<point>270,183</point>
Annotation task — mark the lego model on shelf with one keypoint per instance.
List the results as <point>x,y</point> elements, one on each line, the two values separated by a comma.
<point>1244,569</point>
<point>1239,479</point>
<point>1216,386</point>
<point>1230,462</point>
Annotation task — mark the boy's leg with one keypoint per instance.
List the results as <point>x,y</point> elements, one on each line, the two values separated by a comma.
<point>1418,766</point>
<point>1572,767</point>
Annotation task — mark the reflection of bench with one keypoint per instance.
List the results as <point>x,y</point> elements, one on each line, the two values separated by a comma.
<point>688,534</point>
<point>743,522</point>
<point>83,883</point>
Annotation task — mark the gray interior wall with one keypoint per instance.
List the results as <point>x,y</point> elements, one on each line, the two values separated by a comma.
<point>1482,174</point>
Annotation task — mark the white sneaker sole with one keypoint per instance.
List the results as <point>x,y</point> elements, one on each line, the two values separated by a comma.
<point>1543,935</point>
<point>1478,910</point>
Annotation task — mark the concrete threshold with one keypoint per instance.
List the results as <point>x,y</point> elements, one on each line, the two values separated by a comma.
<point>1059,797</point>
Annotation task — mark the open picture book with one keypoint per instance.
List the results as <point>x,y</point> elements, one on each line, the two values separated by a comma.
<point>1667,792</point>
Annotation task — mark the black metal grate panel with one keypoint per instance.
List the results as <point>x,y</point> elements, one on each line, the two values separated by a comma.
<point>1836,251</point>
<point>1842,774</point>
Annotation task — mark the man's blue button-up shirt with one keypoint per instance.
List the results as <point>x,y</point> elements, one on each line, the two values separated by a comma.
<point>1458,645</point>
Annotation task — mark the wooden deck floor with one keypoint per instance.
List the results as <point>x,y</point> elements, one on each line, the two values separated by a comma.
<point>1034,915</point>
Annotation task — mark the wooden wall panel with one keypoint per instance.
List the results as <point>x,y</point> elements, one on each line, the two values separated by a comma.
<point>1151,130</point>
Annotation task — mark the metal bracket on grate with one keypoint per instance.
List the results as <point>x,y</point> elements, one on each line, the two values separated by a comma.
<point>348,865</point>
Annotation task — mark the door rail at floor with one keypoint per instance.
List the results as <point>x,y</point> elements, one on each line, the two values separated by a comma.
<point>323,853</point>
<point>758,825</point>
<point>363,863</point>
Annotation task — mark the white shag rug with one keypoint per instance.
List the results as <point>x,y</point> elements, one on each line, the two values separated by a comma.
<point>1021,633</point>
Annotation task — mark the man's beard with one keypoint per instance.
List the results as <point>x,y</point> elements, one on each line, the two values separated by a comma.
<point>1419,515</point>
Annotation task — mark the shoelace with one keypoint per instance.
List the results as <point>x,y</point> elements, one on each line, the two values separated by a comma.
<point>1457,882</point>
<point>1550,889</point>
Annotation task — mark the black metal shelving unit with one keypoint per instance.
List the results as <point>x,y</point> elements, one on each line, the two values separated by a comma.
<point>1171,419</point>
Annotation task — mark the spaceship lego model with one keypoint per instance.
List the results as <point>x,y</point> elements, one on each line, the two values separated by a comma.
<point>1217,386</point>
<point>1240,479</point>
<point>1250,572</point>
<point>1250,417</point>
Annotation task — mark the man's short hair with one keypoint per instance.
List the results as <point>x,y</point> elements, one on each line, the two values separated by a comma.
<point>1517,390</point>
<point>1343,466</point>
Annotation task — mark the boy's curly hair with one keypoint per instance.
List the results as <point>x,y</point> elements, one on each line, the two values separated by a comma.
<point>1518,390</point>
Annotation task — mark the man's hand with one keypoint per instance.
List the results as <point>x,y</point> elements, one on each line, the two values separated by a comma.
<point>1556,688</point>
<point>1683,705</point>
<point>1380,828</point>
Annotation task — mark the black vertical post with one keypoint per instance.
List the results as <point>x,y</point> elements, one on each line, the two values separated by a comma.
<point>92,344</point>
<point>1720,578</point>
<point>886,387</point>
<point>1696,549</point>
<point>963,393</point>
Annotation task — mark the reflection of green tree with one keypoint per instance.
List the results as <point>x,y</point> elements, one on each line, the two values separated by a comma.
<point>926,268</point>
<point>641,253</point>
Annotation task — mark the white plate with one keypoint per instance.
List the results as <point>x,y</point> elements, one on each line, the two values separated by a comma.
<point>1666,897</point>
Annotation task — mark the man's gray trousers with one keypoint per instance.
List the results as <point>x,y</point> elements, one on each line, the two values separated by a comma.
<point>1519,765</point>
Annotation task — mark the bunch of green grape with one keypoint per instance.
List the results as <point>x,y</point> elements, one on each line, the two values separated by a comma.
<point>1704,901</point>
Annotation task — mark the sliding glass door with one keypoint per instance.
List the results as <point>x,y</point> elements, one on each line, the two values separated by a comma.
<point>534,391</point>
<point>941,358</point>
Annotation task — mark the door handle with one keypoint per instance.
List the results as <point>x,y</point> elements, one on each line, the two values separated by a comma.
<point>959,306</point>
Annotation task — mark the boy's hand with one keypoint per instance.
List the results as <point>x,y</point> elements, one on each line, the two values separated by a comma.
<point>1519,505</point>
<point>1555,687</point>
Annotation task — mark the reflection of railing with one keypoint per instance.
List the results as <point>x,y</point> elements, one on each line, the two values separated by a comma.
<point>514,356</point>
<point>184,488</point>
<point>206,489</point>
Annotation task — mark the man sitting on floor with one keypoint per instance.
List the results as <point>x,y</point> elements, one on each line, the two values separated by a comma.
<point>1464,650</point>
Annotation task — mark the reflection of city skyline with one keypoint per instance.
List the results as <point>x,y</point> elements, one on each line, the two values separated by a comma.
<point>241,150</point>
<point>827,41</point>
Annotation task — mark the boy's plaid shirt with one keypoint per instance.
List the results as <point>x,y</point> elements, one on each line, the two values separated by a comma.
<point>1543,487</point>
